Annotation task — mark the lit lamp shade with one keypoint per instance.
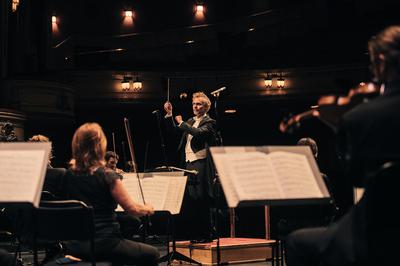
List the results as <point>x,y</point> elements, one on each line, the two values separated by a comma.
<point>125,85</point>
<point>280,83</point>
<point>199,8</point>
<point>268,82</point>
<point>137,85</point>
<point>128,13</point>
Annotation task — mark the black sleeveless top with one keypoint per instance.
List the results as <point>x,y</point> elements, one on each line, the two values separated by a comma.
<point>94,190</point>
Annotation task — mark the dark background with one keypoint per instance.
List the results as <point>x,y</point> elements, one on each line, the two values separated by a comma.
<point>320,47</point>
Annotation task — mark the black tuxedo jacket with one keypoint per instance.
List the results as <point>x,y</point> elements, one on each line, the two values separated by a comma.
<point>369,134</point>
<point>204,135</point>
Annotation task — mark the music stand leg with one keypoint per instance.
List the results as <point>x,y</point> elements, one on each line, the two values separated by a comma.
<point>174,255</point>
<point>217,191</point>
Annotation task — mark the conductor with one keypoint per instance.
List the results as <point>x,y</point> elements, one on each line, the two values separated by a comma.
<point>198,134</point>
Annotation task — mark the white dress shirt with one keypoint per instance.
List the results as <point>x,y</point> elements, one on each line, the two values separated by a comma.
<point>192,156</point>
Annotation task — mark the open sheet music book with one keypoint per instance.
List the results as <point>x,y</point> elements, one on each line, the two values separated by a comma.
<point>22,170</point>
<point>164,192</point>
<point>269,175</point>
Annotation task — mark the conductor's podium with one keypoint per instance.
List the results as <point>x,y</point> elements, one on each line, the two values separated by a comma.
<point>232,250</point>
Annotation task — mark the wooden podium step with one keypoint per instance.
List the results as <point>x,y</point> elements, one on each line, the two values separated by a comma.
<point>233,250</point>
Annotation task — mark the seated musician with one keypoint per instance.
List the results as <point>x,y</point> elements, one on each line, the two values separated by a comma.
<point>90,181</point>
<point>112,161</point>
<point>54,176</point>
<point>42,138</point>
<point>369,137</point>
<point>129,224</point>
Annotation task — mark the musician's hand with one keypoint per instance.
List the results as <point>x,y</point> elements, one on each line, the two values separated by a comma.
<point>149,209</point>
<point>168,107</point>
<point>178,119</point>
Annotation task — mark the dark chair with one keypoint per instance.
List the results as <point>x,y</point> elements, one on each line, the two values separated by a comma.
<point>63,221</point>
<point>47,196</point>
<point>383,228</point>
<point>54,182</point>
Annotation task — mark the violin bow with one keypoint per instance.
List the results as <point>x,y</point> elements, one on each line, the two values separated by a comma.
<point>113,140</point>
<point>168,89</point>
<point>131,150</point>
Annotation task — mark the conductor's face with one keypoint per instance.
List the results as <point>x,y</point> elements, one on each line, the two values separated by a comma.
<point>199,108</point>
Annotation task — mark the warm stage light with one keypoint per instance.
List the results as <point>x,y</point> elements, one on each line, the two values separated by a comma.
<point>137,85</point>
<point>125,84</point>
<point>199,11</point>
<point>268,82</point>
<point>128,18</point>
<point>128,13</point>
<point>230,111</point>
<point>200,8</point>
<point>280,83</point>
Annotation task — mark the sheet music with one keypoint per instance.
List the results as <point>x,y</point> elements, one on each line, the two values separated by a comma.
<point>251,174</point>
<point>295,175</point>
<point>164,193</point>
<point>22,172</point>
<point>176,189</point>
<point>131,185</point>
<point>227,185</point>
<point>155,191</point>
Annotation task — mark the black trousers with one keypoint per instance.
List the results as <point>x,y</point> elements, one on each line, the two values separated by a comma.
<point>322,246</point>
<point>125,252</point>
<point>194,221</point>
<point>6,259</point>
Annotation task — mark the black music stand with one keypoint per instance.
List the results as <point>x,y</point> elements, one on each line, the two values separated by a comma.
<point>173,254</point>
<point>216,184</point>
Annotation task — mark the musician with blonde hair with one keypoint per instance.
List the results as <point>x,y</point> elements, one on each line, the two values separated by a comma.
<point>90,181</point>
<point>42,138</point>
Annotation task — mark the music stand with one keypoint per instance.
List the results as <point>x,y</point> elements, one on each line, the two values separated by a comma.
<point>173,254</point>
<point>216,184</point>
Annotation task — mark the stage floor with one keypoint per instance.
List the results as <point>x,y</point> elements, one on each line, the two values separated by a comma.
<point>28,258</point>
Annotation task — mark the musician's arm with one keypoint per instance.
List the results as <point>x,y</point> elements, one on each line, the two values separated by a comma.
<point>121,196</point>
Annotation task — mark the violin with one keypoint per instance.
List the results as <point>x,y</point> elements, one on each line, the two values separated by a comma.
<point>331,108</point>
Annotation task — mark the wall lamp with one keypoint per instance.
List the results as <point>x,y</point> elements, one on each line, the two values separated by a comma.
<point>128,13</point>
<point>126,84</point>
<point>137,84</point>
<point>199,8</point>
<point>268,82</point>
<point>280,83</point>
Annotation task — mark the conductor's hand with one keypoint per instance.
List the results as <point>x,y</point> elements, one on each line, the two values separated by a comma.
<point>178,119</point>
<point>168,108</point>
